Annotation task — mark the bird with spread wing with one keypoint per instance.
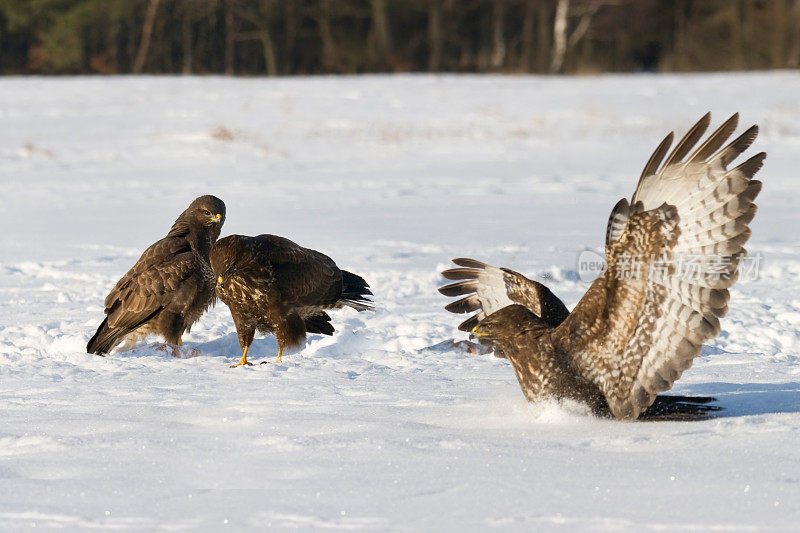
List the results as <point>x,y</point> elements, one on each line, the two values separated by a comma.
<point>672,253</point>
<point>274,285</point>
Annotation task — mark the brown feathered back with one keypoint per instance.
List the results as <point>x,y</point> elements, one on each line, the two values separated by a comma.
<point>272,284</point>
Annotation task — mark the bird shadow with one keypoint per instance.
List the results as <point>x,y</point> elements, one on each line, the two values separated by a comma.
<point>225,346</point>
<point>228,346</point>
<point>748,399</point>
<point>262,349</point>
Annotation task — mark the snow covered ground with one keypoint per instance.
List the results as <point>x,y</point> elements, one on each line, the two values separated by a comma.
<point>391,176</point>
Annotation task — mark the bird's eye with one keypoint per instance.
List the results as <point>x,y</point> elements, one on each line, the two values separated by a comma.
<point>206,212</point>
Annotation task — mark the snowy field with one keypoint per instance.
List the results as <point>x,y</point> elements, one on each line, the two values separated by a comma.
<point>370,429</point>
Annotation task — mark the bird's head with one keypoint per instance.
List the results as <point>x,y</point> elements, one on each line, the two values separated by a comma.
<point>507,324</point>
<point>487,330</point>
<point>201,222</point>
<point>224,258</point>
<point>208,211</point>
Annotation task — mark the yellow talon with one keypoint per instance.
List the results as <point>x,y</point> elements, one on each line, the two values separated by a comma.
<point>278,360</point>
<point>244,360</point>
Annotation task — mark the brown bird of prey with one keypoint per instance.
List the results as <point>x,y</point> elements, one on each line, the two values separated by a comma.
<point>169,287</point>
<point>671,255</point>
<point>276,286</point>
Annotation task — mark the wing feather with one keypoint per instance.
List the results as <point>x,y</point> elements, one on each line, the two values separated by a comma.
<point>689,140</point>
<point>736,147</point>
<point>460,288</point>
<point>304,277</point>
<point>658,156</point>
<point>489,289</point>
<point>617,221</point>
<point>643,322</point>
<point>469,263</point>
<point>158,280</point>
<point>715,140</point>
<point>467,304</point>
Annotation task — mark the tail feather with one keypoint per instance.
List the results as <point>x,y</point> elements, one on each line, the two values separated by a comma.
<point>674,408</point>
<point>356,292</point>
<point>319,324</point>
<point>104,339</point>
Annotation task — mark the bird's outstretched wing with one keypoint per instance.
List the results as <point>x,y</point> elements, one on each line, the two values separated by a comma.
<point>304,277</point>
<point>161,279</point>
<point>671,255</point>
<point>487,289</point>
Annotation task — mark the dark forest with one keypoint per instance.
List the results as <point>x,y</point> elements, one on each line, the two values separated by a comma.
<point>294,37</point>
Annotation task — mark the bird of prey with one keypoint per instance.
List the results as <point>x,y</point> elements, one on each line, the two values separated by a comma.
<point>276,286</point>
<point>671,255</point>
<point>169,287</point>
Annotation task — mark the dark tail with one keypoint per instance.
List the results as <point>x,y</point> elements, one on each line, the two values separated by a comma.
<point>104,339</point>
<point>319,324</point>
<point>355,292</point>
<point>667,408</point>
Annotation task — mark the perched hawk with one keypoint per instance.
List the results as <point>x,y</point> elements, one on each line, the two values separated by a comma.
<point>169,287</point>
<point>671,255</point>
<point>275,286</point>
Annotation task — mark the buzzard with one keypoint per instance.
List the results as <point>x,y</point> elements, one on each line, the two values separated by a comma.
<point>671,255</point>
<point>276,286</point>
<point>169,287</point>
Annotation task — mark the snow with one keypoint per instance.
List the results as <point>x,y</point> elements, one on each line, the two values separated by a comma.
<point>371,429</point>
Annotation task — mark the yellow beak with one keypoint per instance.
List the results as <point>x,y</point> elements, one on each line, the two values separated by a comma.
<point>477,333</point>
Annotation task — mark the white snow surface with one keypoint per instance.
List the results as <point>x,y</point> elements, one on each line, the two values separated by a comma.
<point>369,429</point>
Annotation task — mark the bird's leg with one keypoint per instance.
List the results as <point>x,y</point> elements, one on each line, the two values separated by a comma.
<point>171,347</point>
<point>180,341</point>
<point>278,360</point>
<point>244,360</point>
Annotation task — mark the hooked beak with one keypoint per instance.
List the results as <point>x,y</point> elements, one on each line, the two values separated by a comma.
<point>221,282</point>
<point>217,217</point>
<point>476,334</point>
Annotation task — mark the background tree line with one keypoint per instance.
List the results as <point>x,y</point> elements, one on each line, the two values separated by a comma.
<point>274,37</point>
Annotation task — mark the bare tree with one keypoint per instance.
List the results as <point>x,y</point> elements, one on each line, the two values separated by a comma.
<point>562,41</point>
<point>498,43</point>
<point>261,18</point>
<point>793,61</point>
<point>543,36</point>
<point>147,34</point>
<point>329,52</point>
<point>290,34</point>
<point>230,37</point>
<point>435,35</point>
<point>380,28</point>
<point>186,34</point>
<point>560,36</point>
<point>526,58</point>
